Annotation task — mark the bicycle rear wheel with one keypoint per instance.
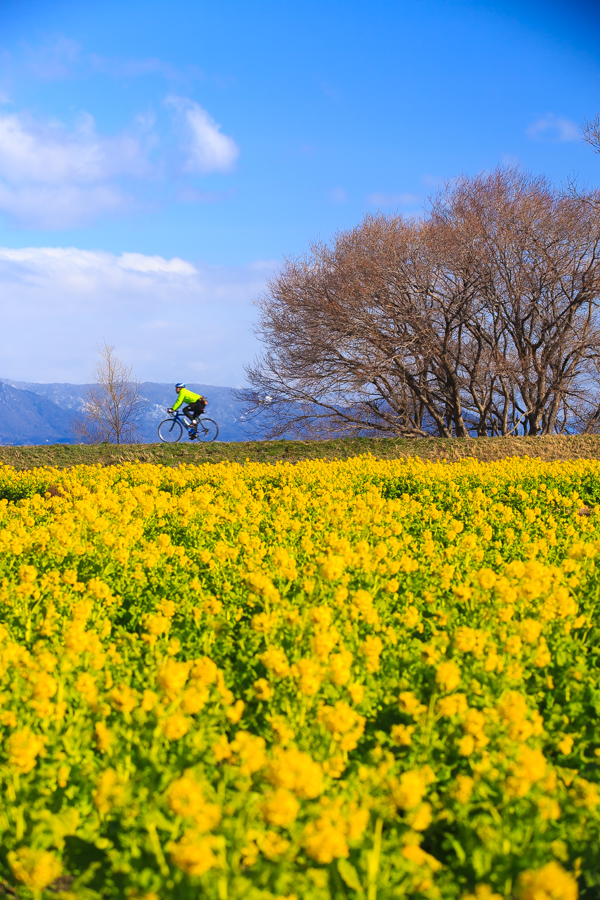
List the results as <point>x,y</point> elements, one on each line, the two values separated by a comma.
<point>207,430</point>
<point>170,431</point>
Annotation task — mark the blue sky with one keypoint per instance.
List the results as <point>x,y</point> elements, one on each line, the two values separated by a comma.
<point>159,159</point>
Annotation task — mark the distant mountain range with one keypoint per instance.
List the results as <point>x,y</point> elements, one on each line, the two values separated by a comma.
<point>46,413</point>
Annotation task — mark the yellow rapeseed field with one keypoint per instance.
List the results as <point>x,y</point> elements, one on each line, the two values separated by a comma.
<point>361,679</point>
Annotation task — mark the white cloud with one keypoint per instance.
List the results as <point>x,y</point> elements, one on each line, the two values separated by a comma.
<point>54,178</point>
<point>48,154</point>
<point>206,148</point>
<point>383,199</point>
<point>553,128</point>
<point>57,303</point>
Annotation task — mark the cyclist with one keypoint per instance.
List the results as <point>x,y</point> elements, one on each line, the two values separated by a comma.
<point>196,403</point>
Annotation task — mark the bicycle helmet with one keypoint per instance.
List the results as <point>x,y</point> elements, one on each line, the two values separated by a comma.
<point>179,384</point>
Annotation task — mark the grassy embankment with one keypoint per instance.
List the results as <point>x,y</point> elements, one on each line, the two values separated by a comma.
<point>484,449</point>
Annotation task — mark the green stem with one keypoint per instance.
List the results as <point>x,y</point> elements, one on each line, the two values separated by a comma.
<point>374,857</point>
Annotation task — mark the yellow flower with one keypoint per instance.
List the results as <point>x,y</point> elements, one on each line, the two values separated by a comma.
<point>415,854</point>
<point>551,882</point>
<point>104,737</point>
<point>402,734</point>
<point>482,892</point>
<point>249,752</point>
<point>172,677</point>
<point>263,690</point>
<point>235,712</point>
<point>344,723</point>
<point>454,705</point>
<point>325,841</point>
<point>466,745</point>
<point>36,869</point>
<point>273,845</point>
<point>420,819</point>
<point>175,726</point>
<point>308,674</point>
<point>280,808</point>
<point>566,745</point>
<point>109,792</point>
<point>86,685</point>
<point>194,853</point>
<point>186,798</point>
<point>529,768</point>
<point>194,698</point>
<point>447,676</point>
<point>123,698</point>
<point>356,691</point>
<point>371,649</point>
<point>23,748</point>
<point>409,704</point>
<point>409,790</point>
<point>530,630</point>
<point>204,670</point>
<point>463,788</point>
<point>332,568</point>
<point>486,578</point>
<point>222,749</point>
<point>275,660</point>
<point>296,771</point>
<point>340,667</point>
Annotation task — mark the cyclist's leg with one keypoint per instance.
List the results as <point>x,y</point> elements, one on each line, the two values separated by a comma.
<point>196,410</point>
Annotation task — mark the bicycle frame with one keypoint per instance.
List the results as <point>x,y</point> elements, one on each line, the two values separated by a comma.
<point>179,417</point>
<point>204,430</point>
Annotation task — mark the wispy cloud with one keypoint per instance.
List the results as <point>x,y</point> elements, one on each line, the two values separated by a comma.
<point>59,57</point>
<point>192,195</point>
<point>54,59</point>
<point>205,147</point>
<point>52,207</point>
<point>136,301</point>
<point>384,199</point>
<point>338,195</point>
<point>432,181</point>
<point>136,67</point>
<point>553,128</point>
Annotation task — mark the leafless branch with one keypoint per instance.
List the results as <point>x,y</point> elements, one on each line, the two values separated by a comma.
<point>113,404</point>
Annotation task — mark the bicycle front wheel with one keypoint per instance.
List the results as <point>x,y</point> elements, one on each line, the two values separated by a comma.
<point>207,430</point>
<point>170,431</point>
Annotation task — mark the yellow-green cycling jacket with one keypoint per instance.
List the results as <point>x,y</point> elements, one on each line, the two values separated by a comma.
<point>186,396</point>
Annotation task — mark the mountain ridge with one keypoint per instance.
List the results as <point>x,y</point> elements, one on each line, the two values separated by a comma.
<point>45,413</point>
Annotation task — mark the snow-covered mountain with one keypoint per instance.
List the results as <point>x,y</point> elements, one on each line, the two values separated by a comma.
<point>32,413</point>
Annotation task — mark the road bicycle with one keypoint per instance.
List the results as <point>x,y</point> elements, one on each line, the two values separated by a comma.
<point>171,429</point>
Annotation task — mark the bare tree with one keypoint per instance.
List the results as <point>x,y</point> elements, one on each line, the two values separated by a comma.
<point>480,319</point>
<point>113,404</point>
<point>591,133</point>
<point>539,256</point>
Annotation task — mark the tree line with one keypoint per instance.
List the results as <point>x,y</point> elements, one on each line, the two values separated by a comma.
<point>481,318</point>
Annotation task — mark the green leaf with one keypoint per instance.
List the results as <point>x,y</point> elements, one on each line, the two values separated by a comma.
<point>457,847</point>
<point>349,875</point>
